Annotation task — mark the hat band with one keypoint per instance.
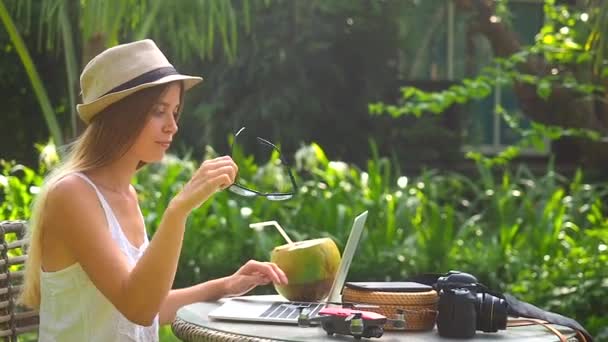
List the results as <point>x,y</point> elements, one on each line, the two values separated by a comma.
<point>150,76</point>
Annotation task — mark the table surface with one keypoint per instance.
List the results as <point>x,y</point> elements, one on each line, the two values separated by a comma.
<point>196,314</point>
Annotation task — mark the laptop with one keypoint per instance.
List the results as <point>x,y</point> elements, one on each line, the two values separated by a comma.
<point>252,310</point>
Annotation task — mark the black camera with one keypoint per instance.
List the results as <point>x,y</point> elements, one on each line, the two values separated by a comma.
<point>466,306</point>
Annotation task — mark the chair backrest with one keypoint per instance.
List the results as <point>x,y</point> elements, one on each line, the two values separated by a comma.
<point>14,319</point>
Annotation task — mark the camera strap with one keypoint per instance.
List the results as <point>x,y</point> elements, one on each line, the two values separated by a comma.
<point>520,322</point>
<point>516,307</point>
<point>520,308</point>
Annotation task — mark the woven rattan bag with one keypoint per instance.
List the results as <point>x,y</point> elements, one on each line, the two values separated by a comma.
<point>419,307</point>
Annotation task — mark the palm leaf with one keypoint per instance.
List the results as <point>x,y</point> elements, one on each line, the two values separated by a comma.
<point>70,62</point>
<point>194,23</point>
<point>32,72</point>
<point>597,38</point>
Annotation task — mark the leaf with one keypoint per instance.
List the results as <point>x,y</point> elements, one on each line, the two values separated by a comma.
<point>530,79</point>
<point>375,108</point>
<point>549,39</point>
<point>32,72</point>
<point>544,89</point>
<point>407,92</point>
<point>583,57</point>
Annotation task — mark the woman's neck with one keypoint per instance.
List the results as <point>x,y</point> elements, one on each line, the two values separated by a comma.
<point>115,177</point>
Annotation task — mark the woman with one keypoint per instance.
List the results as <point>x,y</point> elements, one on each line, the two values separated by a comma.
<point>91,270</point>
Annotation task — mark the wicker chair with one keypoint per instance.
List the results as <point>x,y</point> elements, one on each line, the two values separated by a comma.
<point>14,320</point>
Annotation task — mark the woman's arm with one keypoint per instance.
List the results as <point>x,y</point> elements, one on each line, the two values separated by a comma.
<point>250,275</point>
<point>205,292</point>
<point>73,211</point>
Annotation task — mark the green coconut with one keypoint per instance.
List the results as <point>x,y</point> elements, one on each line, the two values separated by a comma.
<point>310,266</point>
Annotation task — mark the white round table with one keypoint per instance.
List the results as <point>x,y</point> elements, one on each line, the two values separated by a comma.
<point>193,324</point>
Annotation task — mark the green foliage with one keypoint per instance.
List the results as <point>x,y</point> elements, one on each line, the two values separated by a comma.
<point>166,335</point>
<point>303,76</point>
<point>535,137</point>
<point>18,187</point>
<point>597,40</point>
<point>539,237</point>
<point>101,24</point>
<point>32,72</point>
<point>565,56</point>
<point>505,71</point>
<point>542,238</point>
<point>198,23</point>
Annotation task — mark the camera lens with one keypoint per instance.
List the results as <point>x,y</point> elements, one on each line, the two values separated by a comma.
<point>491,313</point>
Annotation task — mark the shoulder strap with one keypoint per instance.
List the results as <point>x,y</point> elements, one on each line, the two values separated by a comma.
<point>104,204</point>
<point>88,180</point>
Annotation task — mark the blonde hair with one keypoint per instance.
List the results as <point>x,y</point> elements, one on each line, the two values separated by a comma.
<point>108,137</point>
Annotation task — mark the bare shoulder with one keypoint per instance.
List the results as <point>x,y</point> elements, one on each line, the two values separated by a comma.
<point>70,188</point>
<point>72,201</point>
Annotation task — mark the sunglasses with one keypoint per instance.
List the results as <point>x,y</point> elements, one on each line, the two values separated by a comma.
<point>244,191</point>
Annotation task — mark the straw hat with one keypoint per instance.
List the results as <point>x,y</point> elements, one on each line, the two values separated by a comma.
<point>121,71</point>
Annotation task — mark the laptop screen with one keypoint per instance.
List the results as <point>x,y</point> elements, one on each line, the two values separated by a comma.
<point>347,258</point>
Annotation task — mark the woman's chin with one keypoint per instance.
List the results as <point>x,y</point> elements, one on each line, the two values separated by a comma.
<point>153,159</point>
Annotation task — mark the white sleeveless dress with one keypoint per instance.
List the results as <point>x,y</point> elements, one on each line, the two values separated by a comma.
<point>73,309</point>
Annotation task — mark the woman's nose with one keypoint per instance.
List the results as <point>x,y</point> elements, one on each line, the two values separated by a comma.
<point>171,125</point>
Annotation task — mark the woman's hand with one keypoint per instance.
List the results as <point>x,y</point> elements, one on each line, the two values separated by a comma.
<point>252,274</point>
<point>213,175</point>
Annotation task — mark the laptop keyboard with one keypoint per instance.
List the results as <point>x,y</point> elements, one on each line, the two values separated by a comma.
<point>291,310</point>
